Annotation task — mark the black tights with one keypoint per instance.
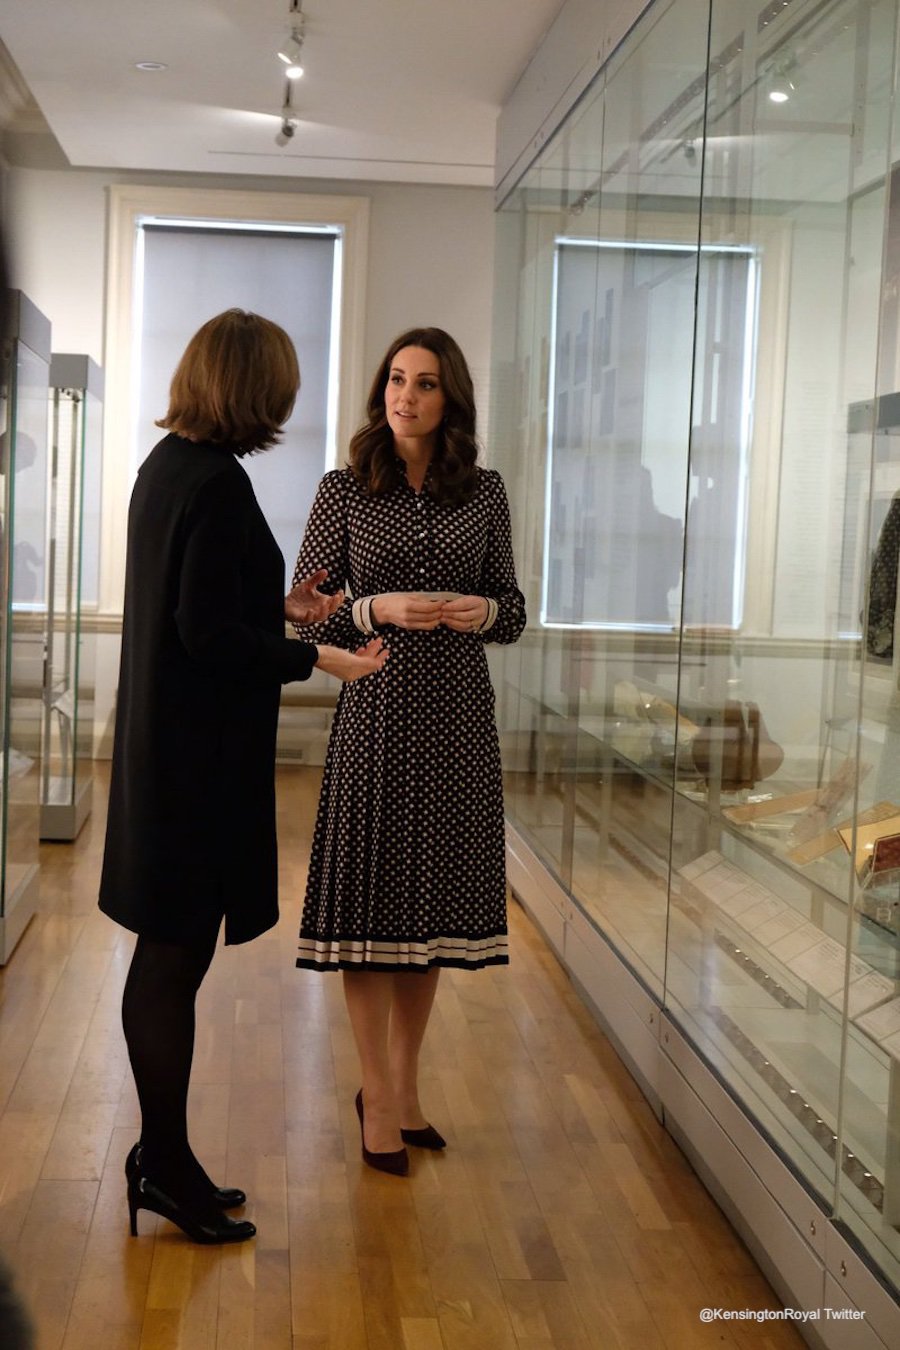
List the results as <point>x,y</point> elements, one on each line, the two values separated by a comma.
<point>158,1021</point>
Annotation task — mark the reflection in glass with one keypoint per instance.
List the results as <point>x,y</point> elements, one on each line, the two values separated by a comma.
<point>597,257</point>
<point>616,493</point>
<point>23,505</point>
<point>697,409</point>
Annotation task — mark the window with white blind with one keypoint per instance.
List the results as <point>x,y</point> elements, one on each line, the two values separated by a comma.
<point>187,273</point>
<point>180,256</point>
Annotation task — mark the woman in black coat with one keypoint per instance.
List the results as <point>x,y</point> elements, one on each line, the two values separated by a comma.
<point>191,832</point>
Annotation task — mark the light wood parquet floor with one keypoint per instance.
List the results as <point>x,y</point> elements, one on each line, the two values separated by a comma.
<point>561,1215</point>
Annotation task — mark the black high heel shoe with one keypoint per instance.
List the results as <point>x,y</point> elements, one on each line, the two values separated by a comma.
<point>199,1222</point>
<point>226,1197</point>
<point>396,1163</point>
<point>427,1137</point>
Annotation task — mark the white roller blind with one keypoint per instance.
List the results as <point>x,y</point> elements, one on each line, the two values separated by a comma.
<point>190,274</point>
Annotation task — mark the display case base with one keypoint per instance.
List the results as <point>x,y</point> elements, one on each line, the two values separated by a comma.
<point>18,909</point>
<point>62,821</point>
<point>795,1240</point>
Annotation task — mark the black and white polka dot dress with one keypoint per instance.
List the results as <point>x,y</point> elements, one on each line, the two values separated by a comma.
<point>407,866</point>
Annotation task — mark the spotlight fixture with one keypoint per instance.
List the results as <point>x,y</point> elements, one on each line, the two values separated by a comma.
<point>289,119</point>
<point>781,85</point>
<point>289,53</point>
<point>291,48</point>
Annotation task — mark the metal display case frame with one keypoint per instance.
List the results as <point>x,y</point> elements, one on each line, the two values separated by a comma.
<point>76,393</point>
<point>23,487</point>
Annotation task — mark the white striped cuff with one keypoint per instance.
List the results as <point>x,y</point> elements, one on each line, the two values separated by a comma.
<point>362,614</point>
<point>493,609</point>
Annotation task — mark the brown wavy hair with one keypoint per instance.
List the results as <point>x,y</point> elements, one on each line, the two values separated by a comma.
<point>235,385</point>
<point>453,473</point>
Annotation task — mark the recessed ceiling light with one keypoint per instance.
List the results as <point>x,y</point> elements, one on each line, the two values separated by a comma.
<point>150,65</point>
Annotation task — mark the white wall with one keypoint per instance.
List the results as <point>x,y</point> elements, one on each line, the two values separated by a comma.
<point>430,254</point>
<point>430,262</point>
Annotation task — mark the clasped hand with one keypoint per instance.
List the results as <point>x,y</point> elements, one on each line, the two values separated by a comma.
<point>410,609</point>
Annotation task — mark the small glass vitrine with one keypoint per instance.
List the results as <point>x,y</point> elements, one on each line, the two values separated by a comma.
<point>76,403</point>
<point>23,519</point>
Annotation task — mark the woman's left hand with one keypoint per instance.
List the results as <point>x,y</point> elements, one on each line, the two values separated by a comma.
<point>307,604</point>
<point>465,614</point>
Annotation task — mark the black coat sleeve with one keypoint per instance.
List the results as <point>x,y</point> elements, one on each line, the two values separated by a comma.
<point>216,615</point>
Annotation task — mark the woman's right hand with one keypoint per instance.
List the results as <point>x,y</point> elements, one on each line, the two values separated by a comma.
<point>353,665</point>
<point>406,609</point>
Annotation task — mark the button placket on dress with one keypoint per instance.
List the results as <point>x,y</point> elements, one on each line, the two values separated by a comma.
<point>423,549</point>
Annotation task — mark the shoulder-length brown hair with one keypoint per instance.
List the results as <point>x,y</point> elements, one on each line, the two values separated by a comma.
<point>453,473</point>
<point>235,385</point>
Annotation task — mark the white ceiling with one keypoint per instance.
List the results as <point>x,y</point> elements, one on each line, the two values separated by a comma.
<point>397,90</point>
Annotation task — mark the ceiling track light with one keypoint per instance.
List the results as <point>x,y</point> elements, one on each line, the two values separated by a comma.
<point>289,119</point>
<point>781,83</point>
<point>289,53</point>
<point>291,48</point>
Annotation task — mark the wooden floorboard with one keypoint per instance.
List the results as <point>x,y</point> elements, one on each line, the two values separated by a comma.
<point>561,1214</point>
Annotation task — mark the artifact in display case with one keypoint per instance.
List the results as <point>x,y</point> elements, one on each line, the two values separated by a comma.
<point>76,391</point>
<point>23,516</point>
<point>734,745</point>
<point>875,846</point>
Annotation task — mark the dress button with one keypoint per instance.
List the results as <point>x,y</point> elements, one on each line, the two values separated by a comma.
<point>423,535</point>
<point>421,571</point>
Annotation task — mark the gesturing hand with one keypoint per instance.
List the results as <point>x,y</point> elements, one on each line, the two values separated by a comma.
<point>353,665</point>
<point>307,604</point>
<point>465,613</point>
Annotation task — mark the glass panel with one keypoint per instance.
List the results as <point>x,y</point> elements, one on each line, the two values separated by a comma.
<point>867,693</point>
<point>24,532</point>
<point>627,277</point>
<point>89,570</point>
<point>536,716</point>
<point>90,526</point>
<point>762,893</point>
<point>58,765</point>
<point>597,269</point>
<point>701,725</point>
<point>73,546</point>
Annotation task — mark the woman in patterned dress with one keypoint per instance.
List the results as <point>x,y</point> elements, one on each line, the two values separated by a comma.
<point>407,868</point>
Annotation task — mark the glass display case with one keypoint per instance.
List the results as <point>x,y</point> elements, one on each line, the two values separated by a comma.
<point>696,412</point>
<point>76,410</point>
<point>23,515</point>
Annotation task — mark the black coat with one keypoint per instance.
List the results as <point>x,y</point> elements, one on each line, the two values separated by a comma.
<point>191,832</point>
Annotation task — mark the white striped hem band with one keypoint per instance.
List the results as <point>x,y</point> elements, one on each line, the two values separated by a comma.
<point>348,951</point>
